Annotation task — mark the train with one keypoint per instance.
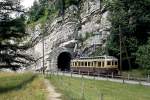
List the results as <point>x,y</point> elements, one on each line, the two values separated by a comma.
<point>95,65</point>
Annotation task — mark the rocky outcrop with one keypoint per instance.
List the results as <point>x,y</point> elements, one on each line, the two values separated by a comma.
<point>64,33</point>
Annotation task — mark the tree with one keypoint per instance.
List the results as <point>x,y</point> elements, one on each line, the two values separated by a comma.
<point>37,11</point>
<point>133,18</point>
<point>12,35</point>
<point>143,54</point>
<point>33,12</point>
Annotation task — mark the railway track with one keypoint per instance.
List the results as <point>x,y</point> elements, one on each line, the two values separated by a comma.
<point>119,79</point>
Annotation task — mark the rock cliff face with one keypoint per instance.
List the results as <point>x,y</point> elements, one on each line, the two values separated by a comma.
<point>66,37</point>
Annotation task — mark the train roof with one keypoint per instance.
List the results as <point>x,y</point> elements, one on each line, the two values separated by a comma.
<point>99,57</point>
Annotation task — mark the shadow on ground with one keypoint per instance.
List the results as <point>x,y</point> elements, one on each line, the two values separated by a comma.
<point>18,86</point>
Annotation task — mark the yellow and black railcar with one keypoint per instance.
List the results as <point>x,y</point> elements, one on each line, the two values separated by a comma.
<point>95,65</point>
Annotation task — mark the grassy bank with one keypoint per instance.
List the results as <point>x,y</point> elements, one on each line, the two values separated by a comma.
<point>136,73</point>
<point>84,89</point>
<point>21,87</point>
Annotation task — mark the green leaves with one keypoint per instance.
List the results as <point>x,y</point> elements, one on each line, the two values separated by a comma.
<point>12,33</point>
<point>133,17</point>
<point>37,11</point>
<point>70,2</point>
<point>48,8</point>
<point>143,54</point>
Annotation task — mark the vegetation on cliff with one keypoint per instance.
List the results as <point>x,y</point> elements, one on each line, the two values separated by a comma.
<point>131,20</point>
<point>12,36</point>
<point>47,9</point>
<point>38,11</point>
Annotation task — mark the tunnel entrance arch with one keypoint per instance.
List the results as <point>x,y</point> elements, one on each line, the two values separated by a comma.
<point>63,61</point>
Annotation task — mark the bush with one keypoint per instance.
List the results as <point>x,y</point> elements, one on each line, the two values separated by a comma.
<point>142,55</point>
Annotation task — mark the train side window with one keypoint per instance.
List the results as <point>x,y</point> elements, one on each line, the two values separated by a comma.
<point>103,64</point>
<point>94,63</point>
<point>113,63</point>
<point>99,64</point>
<point>89,64</point>
<point>116,63</point>
<point>85,63</point>
<point>75,64</point>
<point>109,63</point>
<point>79,64</point>
<point>82,64</point>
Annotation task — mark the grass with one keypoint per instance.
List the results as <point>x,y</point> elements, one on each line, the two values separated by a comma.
<point>21,87</point>
<point>78,89</point>
<point>140,73</point>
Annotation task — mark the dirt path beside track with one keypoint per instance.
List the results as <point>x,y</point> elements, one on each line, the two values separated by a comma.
<point>52,94</point>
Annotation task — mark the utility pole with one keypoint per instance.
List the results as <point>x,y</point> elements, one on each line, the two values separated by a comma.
<point>120,41</point>
<point>130,68</point>
<point>43,52</point>
<point>43,42</point>
<point>44,31</point>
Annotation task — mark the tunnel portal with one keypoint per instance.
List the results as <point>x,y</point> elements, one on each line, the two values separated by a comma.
<point>63,61</point>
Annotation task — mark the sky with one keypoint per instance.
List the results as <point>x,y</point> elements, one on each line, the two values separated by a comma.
<point>27,3</point>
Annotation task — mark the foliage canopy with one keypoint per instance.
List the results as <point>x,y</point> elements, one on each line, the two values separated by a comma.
<point>131,18</point>
<point>12,35</point>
